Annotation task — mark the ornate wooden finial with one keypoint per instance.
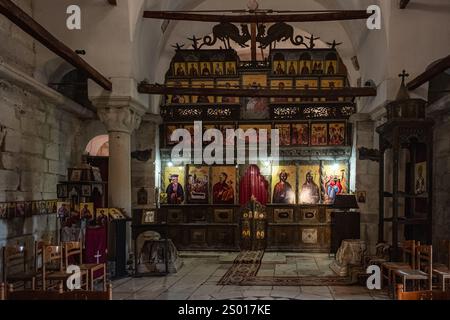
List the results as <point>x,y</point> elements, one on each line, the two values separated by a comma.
<point>178,46</point>
<point>334,44</point>
<point>311,39</point>
<point>194,40</point>
<point>403,75</point>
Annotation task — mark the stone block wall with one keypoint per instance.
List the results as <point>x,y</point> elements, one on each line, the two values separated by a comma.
<point>38,140</point>
<point>143,173</point>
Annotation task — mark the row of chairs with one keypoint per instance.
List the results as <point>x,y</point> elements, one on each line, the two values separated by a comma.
<point>416,267</point>
<point>30,295</point>
<point>49,266</point>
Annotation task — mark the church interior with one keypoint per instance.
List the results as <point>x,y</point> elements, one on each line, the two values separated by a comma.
<point>238,150</point>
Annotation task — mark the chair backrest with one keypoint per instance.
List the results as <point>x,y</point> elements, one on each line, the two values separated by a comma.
<point>72,249</point>
<point>421,295</point>
<point>425,262</point>
<point>409,252</point>
<point>52,257</point>
<point>60,295</point>
<point>2,292</point>
<point>38,249</point>
<point>14,261</point>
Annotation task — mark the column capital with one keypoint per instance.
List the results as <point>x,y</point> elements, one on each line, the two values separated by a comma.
<point>119,114</point>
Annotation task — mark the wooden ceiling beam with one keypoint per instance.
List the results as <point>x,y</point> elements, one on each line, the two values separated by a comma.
<point>260,18</point>
<point>38,32</point>
<point>430,73</point>
<point>403,4</point>
<point>267,93</point>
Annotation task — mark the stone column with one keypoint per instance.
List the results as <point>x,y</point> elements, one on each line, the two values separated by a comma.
<point>365,174</point>
<point>120,121</point>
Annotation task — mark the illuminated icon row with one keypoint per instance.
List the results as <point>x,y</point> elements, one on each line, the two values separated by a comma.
<point>290,184</point>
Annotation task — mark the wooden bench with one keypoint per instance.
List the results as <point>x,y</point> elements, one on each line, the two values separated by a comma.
<point>421,295</point>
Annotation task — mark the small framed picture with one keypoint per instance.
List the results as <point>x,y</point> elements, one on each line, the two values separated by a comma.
<point>361,196</point>
<point>87,211</point>
<point>97,174</point>
<point>115,214</point>
<point>86,190</point>
<point>148,216</point>
<point>102,215</point>
<point>75,175</point>
<point>61,190</point>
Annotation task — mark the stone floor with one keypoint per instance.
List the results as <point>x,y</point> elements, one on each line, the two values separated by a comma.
<point>198,278</point>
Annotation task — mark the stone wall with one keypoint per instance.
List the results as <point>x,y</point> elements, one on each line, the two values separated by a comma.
<point>366,178</point>
<point>38,139</point>
<point>441,169</point>
<point>143,173</point>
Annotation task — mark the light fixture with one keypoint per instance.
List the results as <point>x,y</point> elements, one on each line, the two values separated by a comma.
<point>170,164</point>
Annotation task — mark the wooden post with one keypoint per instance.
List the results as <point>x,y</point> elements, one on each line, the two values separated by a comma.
<point>253,45</point>
<point>381,198</point>
<point>395,198</point>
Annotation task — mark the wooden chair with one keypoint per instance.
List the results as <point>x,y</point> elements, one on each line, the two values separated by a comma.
<point>53,268</point>
<point>31,295</point>
<point>424,271</point>
<point>75,250</point>
<point>441,269</point>
<point>408,261</point>
<point>15,267</point>
<point>381,255</point>
<point>421,295</point>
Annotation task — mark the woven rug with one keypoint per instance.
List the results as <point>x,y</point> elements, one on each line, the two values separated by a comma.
<point>244,272</point>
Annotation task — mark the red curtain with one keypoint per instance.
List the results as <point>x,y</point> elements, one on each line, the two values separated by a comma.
<point>96,243</point>
<point>253,183</point>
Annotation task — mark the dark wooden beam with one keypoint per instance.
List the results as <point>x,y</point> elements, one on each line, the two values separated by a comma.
<point>430,73</point>
<point>403,4</point>
<point>259,18</point>
<point>267,93</point>
<point>38,32</point>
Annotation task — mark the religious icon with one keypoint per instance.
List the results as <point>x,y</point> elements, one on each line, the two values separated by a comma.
<point>292,68</point>
<point>203,85</point>
<point>285,134</point>
<point>61,190</point>
<point>42,208</point>
<point>331,84</point>
<point>283,184</point>
<point>361,196</point>
<point>336,133</point>
<point>20,210</point>
<point>197,184</point>
<point>75,175</point>
<point>115,214</point>
<point>86,190</point>
<point>142,196</point>
<point>334,180</point>
<point>102,216</point>
<point>97,174</point>
<point>180,69</point>
<point>255,107</point>
<point>279,68</point>
<point>420,185</point>
<point>148,216</point>
<point>227,84</point>
<point>173,183</point>
<point>319,134</point>
<point>63,210</point>
<point>305,67</point>
<point>230,68</point>
<point>206,69</point>
<point>169,131</point>
<point>193,69</point>
<point>331,67</point>
<point>224,184</point>
<point>218,69</point>
<point>309,181</point>
<point>87,211</point>
<point>300,134</point>
<point>177,98</point>
<point>259,137</point>
<point>306,84</point>
<point>317,67</point>
<point>281,85</point>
